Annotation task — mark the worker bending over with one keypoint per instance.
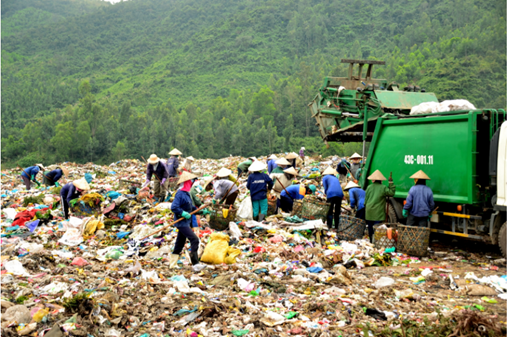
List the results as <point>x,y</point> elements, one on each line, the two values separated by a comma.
<point>70,192</point>
<point>30,174</point>
<point>356,199</point>
<point>155,167</point>
<point>50,178</point>
<point>292,193</point>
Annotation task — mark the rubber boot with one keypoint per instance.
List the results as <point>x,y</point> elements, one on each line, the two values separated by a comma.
<point>329,222</point>
<point>261,217</point>
<point>194,258</point>
<point>173,260</point>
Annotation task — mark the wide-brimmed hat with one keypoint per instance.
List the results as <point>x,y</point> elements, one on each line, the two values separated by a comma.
<point>208,180</point>
<point>282,161</point>
<point>257,166</point>
<point>153,159</point>
<point>302,148</point>
<point>223,172</point>
<point>186,176</point>
<point>292,155</point>
<point>64,171</point>
<point>355,156</point>
<point>377,175</point>
<point>81,184</point>
<point>330,170</point>
<point>420,175</point>
<point>291,170</point>
<point>273,157</point>
<point>349,185</point>
<point>191,158</point>
<point>253,159</point>
<point>175,152</point>
<point>40,166</point>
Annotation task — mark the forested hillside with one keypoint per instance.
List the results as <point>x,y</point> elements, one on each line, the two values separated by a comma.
<point>89,81</point>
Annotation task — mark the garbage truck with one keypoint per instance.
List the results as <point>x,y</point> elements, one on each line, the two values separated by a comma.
<point>464,152</point>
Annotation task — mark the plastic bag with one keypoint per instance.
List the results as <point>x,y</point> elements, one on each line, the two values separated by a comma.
<point>231,255</point>
<point>18,313</point>
<point>39,315</point>
<point>384,282</point>
<point>15,267</point>
<point>234,230</point>
<point>31,247</point>
<point>217,249</point>
<point>449,105</point>
<point>245,209</point>
<point>72,237</point>
<point>79,261</point>
<point>91,226</point>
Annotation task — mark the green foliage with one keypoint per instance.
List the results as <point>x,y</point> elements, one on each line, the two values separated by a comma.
<point>30,160</point>
<point>89,81</point>
<point>21,299</point>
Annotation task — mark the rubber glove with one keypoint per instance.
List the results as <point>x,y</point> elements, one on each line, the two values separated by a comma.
<point>146,183</point>
<point>186,215</point>
<point>163,181</point>
<point>57,184</point>
<point>430,216</point>
<point>214,201</point>
<point>404,213</point>
<point>33,177</point>
<point>38,183</point>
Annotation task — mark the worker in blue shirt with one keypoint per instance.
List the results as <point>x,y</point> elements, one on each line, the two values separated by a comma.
<point>259,184</point>
<point>30,174</point>
<point>51,178</point>
<point>70,192</point>
<point>419,202</point>
<point>291,193</point>
<point>356,199</point>
<point>334,196</point>
<point>173,163</point>
<point>271,163</point>
<point>182,206</point>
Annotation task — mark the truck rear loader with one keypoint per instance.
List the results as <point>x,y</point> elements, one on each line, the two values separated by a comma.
<point>464,152</point>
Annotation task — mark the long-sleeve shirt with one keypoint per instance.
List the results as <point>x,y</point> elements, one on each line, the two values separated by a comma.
<point>271,165</point>
<point>32,171</point>
<point>357,198</point>
<point>193,193</point>
<point>68,193</point>
<point>420,201</point>
<point>259,184</point>
<point>182,202</point>
<point>296,192</point>
<point>222,186</point>
<point>277,169</point>
<point>284,182</point>
<point>54,175</point>
<point>244,166</point>
<point>332,187</point>
<point>160,171</point>
<point>354,169</point>
<point>172,166</point>
<point>301,153</point>
<point>375,200</point>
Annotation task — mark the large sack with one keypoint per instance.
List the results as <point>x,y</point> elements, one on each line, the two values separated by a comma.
<point>217,249</point>
<point>449,105</point>
<point>245,209</point>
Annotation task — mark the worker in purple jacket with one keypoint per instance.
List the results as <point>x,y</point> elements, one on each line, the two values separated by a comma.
<point>302,154</point>
<point>155,167</point>
<point>173,163</point>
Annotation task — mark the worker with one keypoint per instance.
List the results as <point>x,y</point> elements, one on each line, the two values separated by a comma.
<point>282,164</point>
<point>155,167</point>
<point>334,196</point>
<point>50,178</point>
<point>355,165</point>
<point>291,157</point>
<point>283,180</point>
<point>172,163</point>
<point>88,178</point>
<point>271,163</point>
<point>71,191</point>
<point>259,184</point>
<point>30,174</point>
<point>356,199</point>
<point>182,207</point>
<point>291,193</point>
<point>187,165</point>
<point>302,154</point>
<point>244,166</point>
<point>195,190</point>
<point>343,170</point>
<point>223,185</point>
<point>375,200</point>
<point>419,201</point>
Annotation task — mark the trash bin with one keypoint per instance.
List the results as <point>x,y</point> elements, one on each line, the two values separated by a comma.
<point>217,219</point>
<point>413,241</point>
<point>350,228</point>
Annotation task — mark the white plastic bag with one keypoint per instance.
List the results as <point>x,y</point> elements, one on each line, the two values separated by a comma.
<point>234,231</point>
<point>72,237</point>
<point>245,209</point>
<point>449,105</point>
<point>15,267</point>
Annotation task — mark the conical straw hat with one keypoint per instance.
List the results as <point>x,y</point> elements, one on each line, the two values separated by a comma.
<point>420,175</point>
<point>175,152</point>
<point>292,155</point>
<point>81,184</point>
<point>207,182</point>
<point>291,170</point>
<point>273,157</point>
<point>153,159</point>
<point>40,166</point>
<point>186,176</point>
<point>350,185</point>
<point>223,172</point>
<point>191,158</point>
<point>253,159</point>
<point>65,171</point>
<point>282,161</point>
<point>330,170</point>
<point>377,175</point>
<point>257,166</point>
<point>355,156</point>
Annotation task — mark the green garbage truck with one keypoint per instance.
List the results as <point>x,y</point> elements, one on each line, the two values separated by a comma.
<point>464,152</point>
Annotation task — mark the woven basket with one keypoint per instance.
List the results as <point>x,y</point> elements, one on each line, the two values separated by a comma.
<point>173,183</point>
<point>413,241</point>
<point>297,208</point>
<point>350,228</point>
<point>315,209</point>
<point>217,220</point>
<point>381,240</point>
<point>272,205</point>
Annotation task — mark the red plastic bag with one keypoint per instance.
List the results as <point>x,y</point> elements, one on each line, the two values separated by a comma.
<point>259,249</point>
<point>79,261</point>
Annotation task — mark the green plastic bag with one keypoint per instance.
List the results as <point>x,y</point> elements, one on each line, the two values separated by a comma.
<point>239,332</point>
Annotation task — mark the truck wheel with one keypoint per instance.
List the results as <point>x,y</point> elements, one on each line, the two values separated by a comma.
<point>501,240</point>
<point>392,215</point>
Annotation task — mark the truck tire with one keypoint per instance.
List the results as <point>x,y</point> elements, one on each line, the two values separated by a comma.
<point>502,240</point>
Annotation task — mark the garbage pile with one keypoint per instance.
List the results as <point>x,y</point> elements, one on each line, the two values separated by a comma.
<point>103,272</point>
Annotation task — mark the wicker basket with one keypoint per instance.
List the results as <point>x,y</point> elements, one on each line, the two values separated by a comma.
<point>413,241</point>
<point>297,208</point>
<point>350,228</point>
<point>315,209</point>
<point>272,205</point>
<point>217,220</point>
<point>381,240</point>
